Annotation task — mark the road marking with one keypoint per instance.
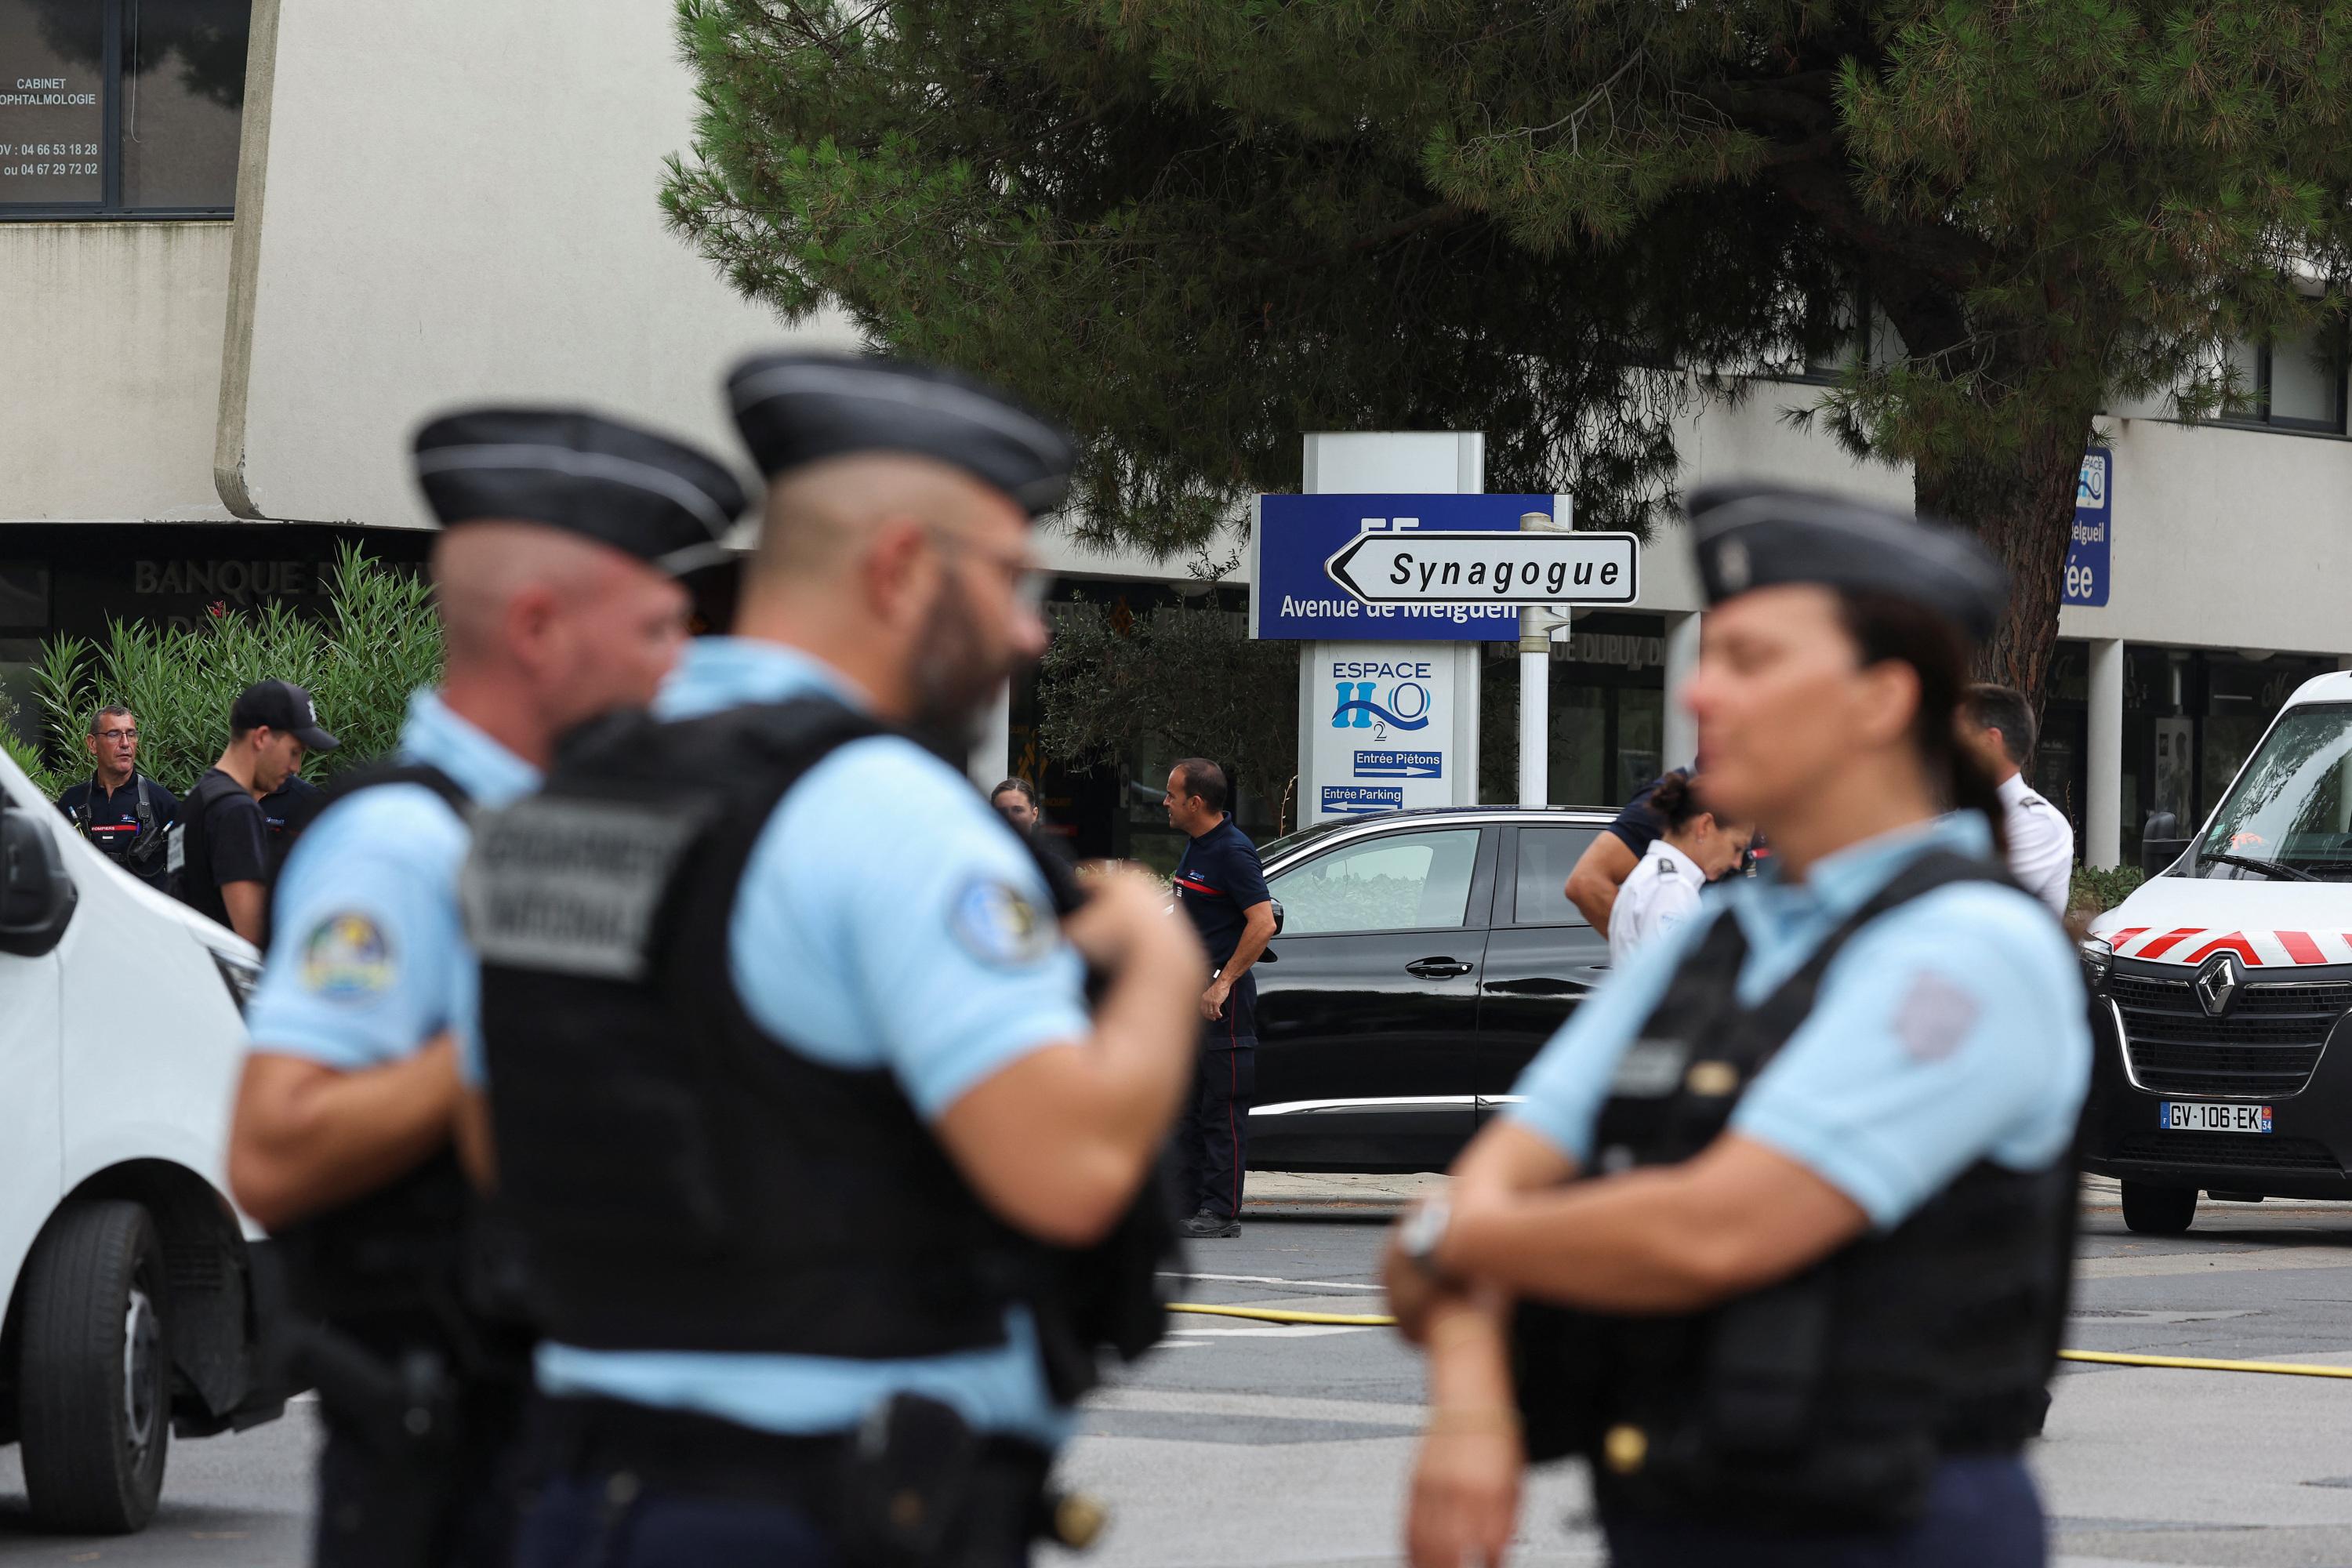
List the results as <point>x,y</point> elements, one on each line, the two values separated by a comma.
<point>2169,1263</point>
<point>1259,1406</point>
<point>1268,1280</point>
<point>1278,1330</point>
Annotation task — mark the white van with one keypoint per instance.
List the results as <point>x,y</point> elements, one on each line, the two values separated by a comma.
<point>127,1272</point>
<point>2220,985</point>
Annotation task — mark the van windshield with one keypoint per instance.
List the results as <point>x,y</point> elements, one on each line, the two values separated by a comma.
<point>2290,810</point>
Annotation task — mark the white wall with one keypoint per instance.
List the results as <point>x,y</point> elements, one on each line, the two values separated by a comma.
<point>110,370</point>
<point>2227,537</point>
<point>460,202</point>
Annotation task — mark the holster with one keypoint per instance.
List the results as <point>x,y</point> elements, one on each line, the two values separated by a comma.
<point>1108,1297</point>
<point>914,1487</point>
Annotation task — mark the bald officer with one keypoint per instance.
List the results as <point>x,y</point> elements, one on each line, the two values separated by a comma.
<point>556,592</point>
<point>811,1137</point>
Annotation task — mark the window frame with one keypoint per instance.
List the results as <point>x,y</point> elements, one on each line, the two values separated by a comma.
<point>109,207</point>
<point>1482,871</point>
<point>1507,886</point>
<point>2257,415</point>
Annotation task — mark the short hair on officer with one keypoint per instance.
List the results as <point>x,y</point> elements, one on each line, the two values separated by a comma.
<point>2005,709</point>
<point>111,711</point>
<point>1204,780</point>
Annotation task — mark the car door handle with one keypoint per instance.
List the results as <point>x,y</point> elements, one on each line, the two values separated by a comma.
<point>1538,987</point>
<point>1438,968</point>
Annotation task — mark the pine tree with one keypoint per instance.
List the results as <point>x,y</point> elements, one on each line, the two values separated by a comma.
<point>1194,228</point>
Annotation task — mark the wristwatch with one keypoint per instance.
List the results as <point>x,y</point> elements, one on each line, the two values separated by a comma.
<point>1421,1232</point>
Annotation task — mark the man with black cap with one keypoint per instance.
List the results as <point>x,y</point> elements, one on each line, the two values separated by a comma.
<point>555,580</point>
<point>808,1132</point>
<point>1787,1206</point>
<point>219,854</point>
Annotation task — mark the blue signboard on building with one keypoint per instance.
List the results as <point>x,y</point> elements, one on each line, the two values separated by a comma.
<point>1292,598</point>
<point>2088,552</point>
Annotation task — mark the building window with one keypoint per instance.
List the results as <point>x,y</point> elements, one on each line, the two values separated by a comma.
<point>121,107</point>
<point>1880,344</point>
<point>2294,383</point>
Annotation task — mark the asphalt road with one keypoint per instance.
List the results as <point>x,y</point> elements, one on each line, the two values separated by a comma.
<point>1248,1444</point>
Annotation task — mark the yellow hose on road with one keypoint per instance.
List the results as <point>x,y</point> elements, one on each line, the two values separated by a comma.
<point>2207,1363</point>
<point>2103,1358</point>
<point>1277,1315</point>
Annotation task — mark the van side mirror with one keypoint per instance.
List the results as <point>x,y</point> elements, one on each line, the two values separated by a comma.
<point>37,896</point>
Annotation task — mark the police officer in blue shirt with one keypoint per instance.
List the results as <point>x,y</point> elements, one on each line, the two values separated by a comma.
<point>556,585</point>
<point>819,1159</point>
<point>1788,1205</point>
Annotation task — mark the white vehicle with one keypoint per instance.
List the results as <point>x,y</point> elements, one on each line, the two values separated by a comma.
<point>127,1273</point>
<point>2220,985</point>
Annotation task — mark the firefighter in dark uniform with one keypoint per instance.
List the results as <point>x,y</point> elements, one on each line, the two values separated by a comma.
<point>826,1171</point>
<point>1221,885</point>
<point>556,582</point>
<point>118,808</point>
<point>1787,1207</point>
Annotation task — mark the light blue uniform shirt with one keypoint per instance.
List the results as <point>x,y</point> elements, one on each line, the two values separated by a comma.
<point>368,960</point>
<point>1948,1030</point>
<point>869,933</point>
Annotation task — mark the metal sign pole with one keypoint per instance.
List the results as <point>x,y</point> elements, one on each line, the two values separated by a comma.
<point>1535,683</point>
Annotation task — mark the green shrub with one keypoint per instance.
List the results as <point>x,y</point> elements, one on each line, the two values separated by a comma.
<point>27,756</point>
<point>2094,893</point>
<point>378,641</point>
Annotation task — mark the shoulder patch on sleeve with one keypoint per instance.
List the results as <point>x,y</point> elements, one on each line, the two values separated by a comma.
<point>1000,924</point>
<point>346,957</point>
<point>1934,1016</point>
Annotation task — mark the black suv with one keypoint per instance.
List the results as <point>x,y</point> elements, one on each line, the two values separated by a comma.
<point>1425,956</point>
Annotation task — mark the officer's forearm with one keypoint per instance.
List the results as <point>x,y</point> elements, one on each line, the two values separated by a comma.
<point>1671,1238</point>
<point>1146,1028</point>
<point>1059,1140</point>
<point>1255,933</point>
<point>307,1137</point>
<point>1469,1352</point>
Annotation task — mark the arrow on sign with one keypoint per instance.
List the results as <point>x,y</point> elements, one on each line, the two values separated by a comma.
<point>1399,764</point>
<point>1407,566</point>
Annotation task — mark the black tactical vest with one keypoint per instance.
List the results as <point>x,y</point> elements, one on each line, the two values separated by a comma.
<point>413,1262</point>
<point>188,855</point>
<point>679,1180</point>
<point>1826,1401</point>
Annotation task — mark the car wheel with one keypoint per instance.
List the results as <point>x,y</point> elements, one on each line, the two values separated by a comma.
<point>2158,1211</point>
<point>94,1410</point>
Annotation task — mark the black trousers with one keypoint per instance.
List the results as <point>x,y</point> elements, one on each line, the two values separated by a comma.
<point>452,1508</point>
<point>1982,1513</point>
<point>630,1487</point>
<point>1213,1135</point>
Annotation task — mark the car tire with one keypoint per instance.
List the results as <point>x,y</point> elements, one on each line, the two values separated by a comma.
<point>2157,1211</point>
<point>94,1414</point>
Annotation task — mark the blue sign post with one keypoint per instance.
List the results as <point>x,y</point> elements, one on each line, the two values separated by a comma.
<point>2088,552</point>
<point>1294,599</point>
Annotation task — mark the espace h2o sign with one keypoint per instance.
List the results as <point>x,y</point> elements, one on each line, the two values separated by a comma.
<point>1380,742</point>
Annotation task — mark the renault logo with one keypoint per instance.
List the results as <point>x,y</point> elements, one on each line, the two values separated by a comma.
<point>2217,983</point>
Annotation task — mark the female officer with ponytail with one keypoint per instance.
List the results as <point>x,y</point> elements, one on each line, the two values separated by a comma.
<point>1777,1235</point>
